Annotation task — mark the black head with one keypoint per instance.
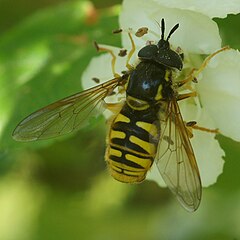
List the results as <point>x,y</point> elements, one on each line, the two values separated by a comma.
<point>161,52</point>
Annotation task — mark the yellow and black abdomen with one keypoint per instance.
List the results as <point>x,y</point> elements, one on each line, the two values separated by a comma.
<point>132,144</point>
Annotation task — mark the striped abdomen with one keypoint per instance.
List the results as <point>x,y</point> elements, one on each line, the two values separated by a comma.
<point>132,144</point>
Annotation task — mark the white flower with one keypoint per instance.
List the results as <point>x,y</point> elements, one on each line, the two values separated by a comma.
<point>218,87</point>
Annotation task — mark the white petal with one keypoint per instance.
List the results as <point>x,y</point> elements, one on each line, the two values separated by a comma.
<point>213,8</point>
<point>207,150</point>
<point>100,67</point>
<point>219,91</point>
<point>209,156</point>
<point>197,32</point>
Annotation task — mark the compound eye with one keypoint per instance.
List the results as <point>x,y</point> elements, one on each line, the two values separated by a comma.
<point>148,52</point>
<point>170,59</point>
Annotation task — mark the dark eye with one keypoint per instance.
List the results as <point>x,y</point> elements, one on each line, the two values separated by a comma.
<point>169,58</point>
<point>148,52</point>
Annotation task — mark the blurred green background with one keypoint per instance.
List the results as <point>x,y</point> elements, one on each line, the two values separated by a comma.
<point>60,189</point>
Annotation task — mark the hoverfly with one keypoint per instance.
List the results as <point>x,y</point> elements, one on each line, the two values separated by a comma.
<point>147,128</point>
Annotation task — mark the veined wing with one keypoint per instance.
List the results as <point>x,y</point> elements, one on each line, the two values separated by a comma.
<point>175,158</point>
<point>66,115</point>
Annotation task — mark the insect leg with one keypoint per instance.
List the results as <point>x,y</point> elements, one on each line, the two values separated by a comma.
<point>193,125</point>
<point>113,63</point>
<point>195,72</point>
<point>189,78</point>
<point>139,33</point>
<point>186,95</point>
<point>131,52</point>
<point>207,60</point>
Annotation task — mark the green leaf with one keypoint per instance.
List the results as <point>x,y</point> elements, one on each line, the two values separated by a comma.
<point>42,59</point>
<point>229,30</point>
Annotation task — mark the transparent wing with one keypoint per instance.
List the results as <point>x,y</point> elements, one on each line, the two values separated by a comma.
<point>66,115</point>
<point>175,159</point>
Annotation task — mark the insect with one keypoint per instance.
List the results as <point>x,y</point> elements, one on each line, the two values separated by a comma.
<point>147,126</point>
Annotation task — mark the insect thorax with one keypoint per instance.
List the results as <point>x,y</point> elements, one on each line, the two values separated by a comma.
<point>148,83</point>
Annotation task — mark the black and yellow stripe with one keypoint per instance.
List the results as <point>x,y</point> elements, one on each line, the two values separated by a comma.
<point>130,153</point>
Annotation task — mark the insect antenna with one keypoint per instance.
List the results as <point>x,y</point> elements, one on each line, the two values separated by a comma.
<point>163,28</point>
<point>172,31</point>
